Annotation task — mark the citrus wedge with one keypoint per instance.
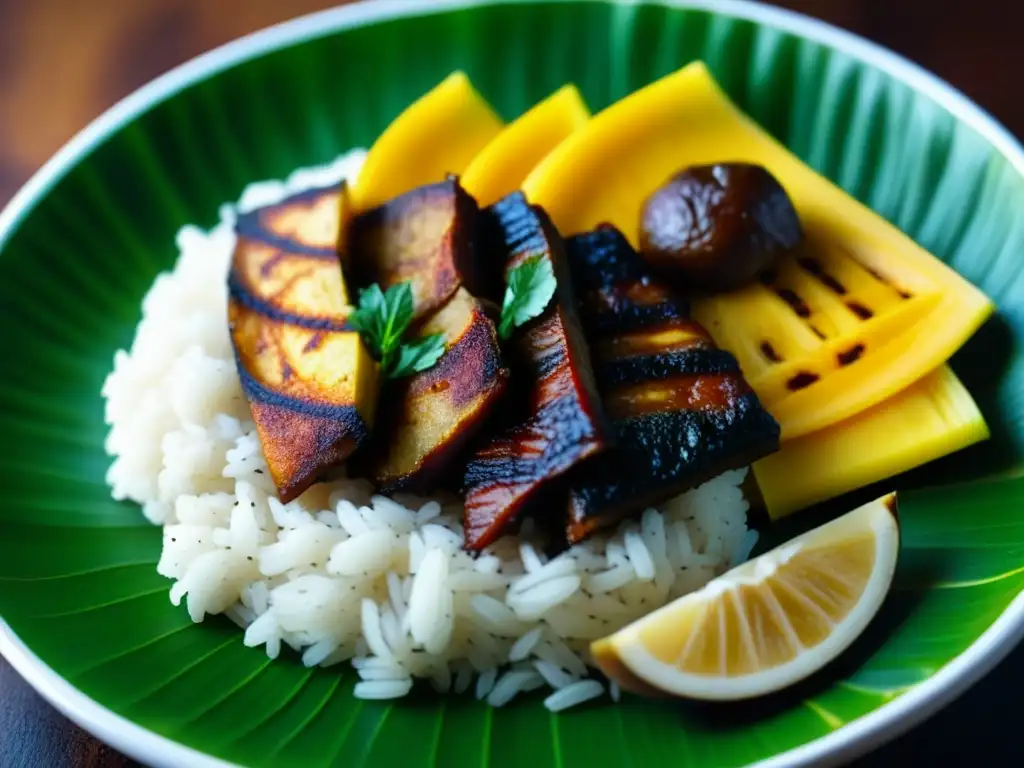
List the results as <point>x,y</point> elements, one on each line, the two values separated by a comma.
<point>767,623</point>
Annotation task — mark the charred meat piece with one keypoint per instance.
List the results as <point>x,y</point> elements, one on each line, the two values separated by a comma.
<point>681,412</point>
<point>559,421</point>
<point>310,383</point>
<point>714,227</point>
<point>422,436</point>
<point>427,237</point>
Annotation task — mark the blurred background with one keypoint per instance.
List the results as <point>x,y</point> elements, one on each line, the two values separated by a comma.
<point>62,62</point>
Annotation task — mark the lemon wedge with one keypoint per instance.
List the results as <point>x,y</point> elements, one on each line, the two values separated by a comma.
<point>767,623</point>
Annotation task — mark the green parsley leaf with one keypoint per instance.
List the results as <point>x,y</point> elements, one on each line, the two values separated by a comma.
<point>369,317</point>
<point>528,292</point>
<point>382,320</point>
<point>418,355</point>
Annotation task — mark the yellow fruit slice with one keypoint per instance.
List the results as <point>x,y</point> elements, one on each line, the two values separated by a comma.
<point>862,314</point>
<point>769,622</point>
<point>436,135</point>
<point>501,166</point>
<point>933,418</point>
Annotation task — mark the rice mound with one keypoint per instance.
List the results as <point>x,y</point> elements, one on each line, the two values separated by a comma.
<point>341,574</point>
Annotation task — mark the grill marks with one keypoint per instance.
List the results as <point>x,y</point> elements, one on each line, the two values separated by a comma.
<point>554,419</point>
<point>310,384</point>
<point>769,352</point>
<point>815,268</point>
<point>681,413</point>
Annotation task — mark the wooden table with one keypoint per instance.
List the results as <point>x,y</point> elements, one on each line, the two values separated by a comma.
<point>91,54</point>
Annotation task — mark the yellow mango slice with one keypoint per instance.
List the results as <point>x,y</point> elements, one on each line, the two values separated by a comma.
<point>500,168</point>
<point>933,418</point>
<point>436,135</point>
<point>860,315</point>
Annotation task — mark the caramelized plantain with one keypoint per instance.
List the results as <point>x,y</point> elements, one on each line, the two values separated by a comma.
<point>716,226</point>
<point>681,411</point>
<point>310,382</point>
<point>427,237</point>
<point>437,412</point>
<point>561,421</point>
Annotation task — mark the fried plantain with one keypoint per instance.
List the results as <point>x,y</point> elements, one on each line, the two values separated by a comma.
<point>433,415</point>
<point>309,380</point>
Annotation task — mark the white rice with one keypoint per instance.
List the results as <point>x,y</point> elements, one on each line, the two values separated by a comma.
<point>343,575</point>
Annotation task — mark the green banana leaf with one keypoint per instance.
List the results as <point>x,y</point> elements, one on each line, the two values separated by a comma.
<point>78,584</point>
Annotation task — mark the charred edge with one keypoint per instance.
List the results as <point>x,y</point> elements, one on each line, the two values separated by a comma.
<point>251,225</point>
<point>625,316</point>
<point>546,365</point>
<point>603,259</point>
<point>502,480</point>
<point>663,454</point>
<point>346,415</point>
<point>641,370</point>
<point>605,270</point>
<point>239,292</point>
<point>802,380</point>
<point>515,229</point>
<point>818,332</point>
<point>603,256</point>
<point>860,310</point>
<point>794,301</point>
<point>564,431</point>
<point>852,355</point>
<point>769,352</point>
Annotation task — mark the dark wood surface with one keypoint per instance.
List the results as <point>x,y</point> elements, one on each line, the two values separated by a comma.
<point>62,62</point>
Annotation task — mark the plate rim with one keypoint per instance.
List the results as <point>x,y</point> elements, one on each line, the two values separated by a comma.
<point>843,744</point>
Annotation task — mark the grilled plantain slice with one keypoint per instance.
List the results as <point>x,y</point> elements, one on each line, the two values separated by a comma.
<point>558,418</point>
<point>680,409</point>
<point>427,237</point>
<point>310,382</point>
<point>436,413</point>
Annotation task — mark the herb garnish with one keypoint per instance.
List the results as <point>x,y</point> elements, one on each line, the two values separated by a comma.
<point>530,288</point>
<point>382,320</point>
